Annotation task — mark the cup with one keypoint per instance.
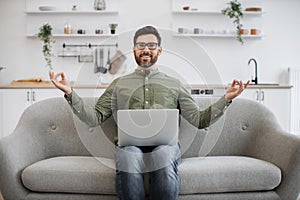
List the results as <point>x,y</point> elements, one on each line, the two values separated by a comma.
<point>244,31</point>
<point>180,30</point>
<point>186,7</point>
<point>254,31</point>
<point>98,31</point>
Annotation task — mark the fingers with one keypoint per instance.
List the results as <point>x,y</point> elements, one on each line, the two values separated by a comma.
<point>246,84</point>
<point>234,83</point>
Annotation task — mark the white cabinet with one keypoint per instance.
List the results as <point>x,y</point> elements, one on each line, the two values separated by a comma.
<point>15,101</point>
<point>278,100</point>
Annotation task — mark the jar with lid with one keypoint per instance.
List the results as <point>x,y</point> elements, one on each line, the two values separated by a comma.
<point>99,5</point>
<point>67,28</point>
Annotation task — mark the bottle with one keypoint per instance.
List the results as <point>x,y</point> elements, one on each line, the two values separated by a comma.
<point>99,5</point>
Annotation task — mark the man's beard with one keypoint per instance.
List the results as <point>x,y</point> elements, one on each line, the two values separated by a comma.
<point>139,61</point>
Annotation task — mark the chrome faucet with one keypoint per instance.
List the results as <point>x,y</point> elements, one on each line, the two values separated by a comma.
<point>255,80</point>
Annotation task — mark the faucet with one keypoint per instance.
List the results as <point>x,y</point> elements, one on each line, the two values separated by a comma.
<point>255,80</point>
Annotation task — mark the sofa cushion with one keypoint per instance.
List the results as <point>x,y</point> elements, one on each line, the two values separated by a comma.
<point>71,174</point>
<point>77,174</point>
<point>227,174</point>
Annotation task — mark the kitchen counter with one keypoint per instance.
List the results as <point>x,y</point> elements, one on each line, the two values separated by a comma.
<point>37,85</point>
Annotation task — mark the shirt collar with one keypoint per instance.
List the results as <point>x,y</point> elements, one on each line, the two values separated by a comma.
<point>148,73</point>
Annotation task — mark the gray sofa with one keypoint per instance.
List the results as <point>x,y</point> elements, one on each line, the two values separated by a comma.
<point>245,155</point>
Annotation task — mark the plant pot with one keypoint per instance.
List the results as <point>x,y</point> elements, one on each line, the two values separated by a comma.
<point>112,31</point>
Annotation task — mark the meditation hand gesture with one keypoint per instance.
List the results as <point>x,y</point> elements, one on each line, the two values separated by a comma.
<point>62,84</point>
<point>233,91</point>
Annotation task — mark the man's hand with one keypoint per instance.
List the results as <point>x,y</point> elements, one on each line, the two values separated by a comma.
<point>62,84</point>
<point>233,91</point>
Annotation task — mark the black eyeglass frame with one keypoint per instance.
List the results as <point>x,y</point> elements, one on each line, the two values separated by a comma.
<point>144,45</point>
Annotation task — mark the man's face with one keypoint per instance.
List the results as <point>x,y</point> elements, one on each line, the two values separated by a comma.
<point>146,50</point>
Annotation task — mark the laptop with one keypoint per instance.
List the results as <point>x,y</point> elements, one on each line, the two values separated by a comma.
<point>148,127</point>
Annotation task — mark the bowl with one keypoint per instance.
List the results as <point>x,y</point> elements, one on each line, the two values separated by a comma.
<point>47,8</point>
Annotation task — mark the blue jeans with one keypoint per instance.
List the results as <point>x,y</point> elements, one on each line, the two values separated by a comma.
<point>162,164</point>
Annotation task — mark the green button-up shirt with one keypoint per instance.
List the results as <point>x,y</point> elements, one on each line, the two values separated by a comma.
<point>151,90</point>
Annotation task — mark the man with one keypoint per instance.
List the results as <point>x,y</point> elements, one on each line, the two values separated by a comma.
<point>146,88</point>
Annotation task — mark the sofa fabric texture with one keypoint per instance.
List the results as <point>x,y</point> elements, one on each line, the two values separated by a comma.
<point>245,155</point>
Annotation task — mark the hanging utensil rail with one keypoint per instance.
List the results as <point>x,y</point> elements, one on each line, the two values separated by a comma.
<point>90,45</point>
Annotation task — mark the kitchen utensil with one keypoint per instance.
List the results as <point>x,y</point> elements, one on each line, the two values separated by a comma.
<point>116,62</point>
<point>99,58</point>
<point>96,68</point>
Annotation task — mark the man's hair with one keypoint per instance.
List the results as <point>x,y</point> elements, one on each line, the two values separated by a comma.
<point>145,31</point>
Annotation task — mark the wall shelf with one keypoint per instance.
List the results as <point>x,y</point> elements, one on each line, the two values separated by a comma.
<point>246,13</point>
<point>76,35</point>
<point>74,12</point>
<point>216,35</point>
<point>205,19</point>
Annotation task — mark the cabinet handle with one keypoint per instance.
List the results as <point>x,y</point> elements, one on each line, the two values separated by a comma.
<point>257,96</point>
<point>33,95</point>
<point>28,96</point>
<point>262,96</point>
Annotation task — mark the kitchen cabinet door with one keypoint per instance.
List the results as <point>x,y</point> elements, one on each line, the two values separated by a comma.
<point>15,101</point>
<point>278,100</point>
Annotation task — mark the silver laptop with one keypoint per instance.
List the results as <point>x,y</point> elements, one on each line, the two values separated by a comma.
<point>148,127</point>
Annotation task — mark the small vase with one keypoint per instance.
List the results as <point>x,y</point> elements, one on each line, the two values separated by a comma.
<point>99,5</point>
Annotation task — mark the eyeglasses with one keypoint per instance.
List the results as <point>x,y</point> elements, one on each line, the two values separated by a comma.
<point>142,45</point>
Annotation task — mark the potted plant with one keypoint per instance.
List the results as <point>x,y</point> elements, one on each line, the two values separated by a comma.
<point>45,35</point>
<point>113,28</point>
<point>234,11</point>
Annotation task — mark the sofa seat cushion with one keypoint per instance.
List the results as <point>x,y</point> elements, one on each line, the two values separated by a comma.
<point>227,174</point>
<point>71,174</point>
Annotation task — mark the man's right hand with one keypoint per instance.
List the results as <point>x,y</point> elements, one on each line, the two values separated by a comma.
<point>62,84</point>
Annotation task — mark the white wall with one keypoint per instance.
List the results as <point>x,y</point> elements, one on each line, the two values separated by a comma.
<point>275,52</point>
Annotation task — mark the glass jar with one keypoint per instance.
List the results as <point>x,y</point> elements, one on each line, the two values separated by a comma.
<point>67,28</point>
<point>99,5</point>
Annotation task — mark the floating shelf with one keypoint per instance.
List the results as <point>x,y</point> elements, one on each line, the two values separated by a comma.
<point>216,35</point>
<point>258,13</point>
<point>75,35</point>
<point>73,12</point>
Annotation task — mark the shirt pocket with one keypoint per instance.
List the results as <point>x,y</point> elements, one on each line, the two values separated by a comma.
<point>136,102</point>
<point>165,97</point>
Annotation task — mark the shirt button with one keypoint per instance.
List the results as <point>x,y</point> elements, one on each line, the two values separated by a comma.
<point>146,102</point>
<point>147,89</point>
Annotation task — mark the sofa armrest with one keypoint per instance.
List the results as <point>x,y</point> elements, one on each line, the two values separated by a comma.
<point>41,133</point>
<point>282,149</point>
<point>17,151</point>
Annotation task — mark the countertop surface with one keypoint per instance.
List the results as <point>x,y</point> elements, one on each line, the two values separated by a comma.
<point>40,85</point>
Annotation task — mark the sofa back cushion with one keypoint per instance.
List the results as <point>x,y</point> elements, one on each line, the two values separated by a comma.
<point>234,133</point>
<point>64,134</point>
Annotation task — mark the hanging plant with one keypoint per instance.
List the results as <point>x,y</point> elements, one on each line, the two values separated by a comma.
<point>234,11</point>
<point>45,35</point>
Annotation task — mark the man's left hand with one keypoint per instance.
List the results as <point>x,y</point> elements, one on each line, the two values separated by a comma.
<point>234,91</point>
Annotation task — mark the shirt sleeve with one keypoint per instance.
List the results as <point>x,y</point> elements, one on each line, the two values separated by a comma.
<point>191,111</point>
<point>92,115</point>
